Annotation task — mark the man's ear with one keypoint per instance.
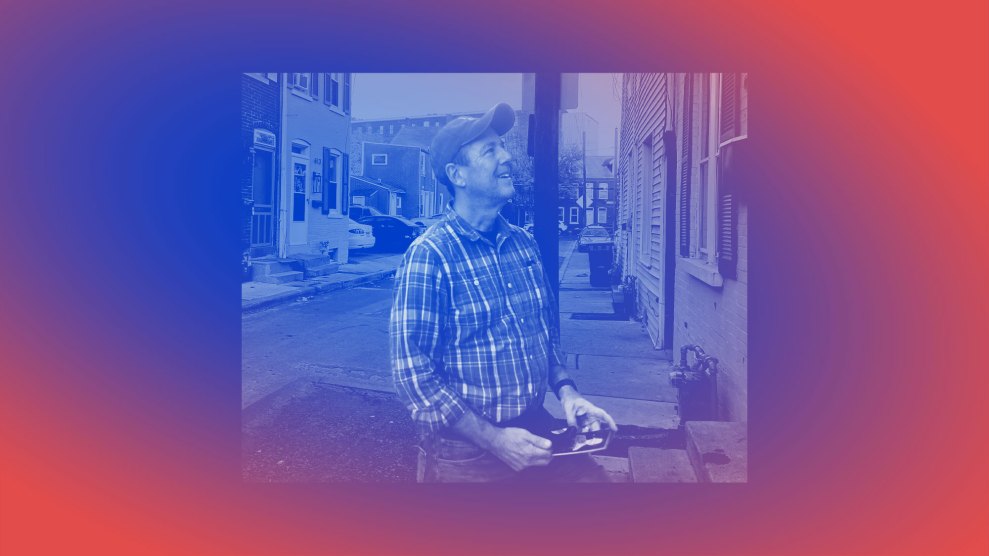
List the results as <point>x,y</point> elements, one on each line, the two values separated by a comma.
<point>454,174</point>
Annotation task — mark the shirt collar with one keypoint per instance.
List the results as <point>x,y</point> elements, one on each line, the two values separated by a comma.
<point>463,228</point>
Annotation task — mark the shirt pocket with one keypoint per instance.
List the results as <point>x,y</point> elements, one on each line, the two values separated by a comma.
<point>471,310</point>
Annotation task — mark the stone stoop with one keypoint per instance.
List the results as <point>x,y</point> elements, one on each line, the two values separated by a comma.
<point>615,468</point>
<point>275,271</point>
<point>718,450</point>
<point>314,265</point>
<point>658,465</point>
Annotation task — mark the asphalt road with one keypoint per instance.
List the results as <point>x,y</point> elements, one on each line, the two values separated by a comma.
<point>317,398</point>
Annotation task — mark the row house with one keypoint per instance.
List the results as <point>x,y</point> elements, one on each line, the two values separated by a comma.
<point>597,203</point>
<point>683,235</point>
<point>260,128</point>
<point>395,152</point>
<point>406,167</point>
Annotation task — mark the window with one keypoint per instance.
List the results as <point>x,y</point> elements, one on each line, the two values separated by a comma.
<point>331,95</point>
<point>347,77</point>
<point>602,215</point>
<point>560,216</point>
<point>590,217</point>
<point>709,204</point>
<point>379,160</point>
<point>301,82</point>
<point>706,187</point>
<point>602,191</point>
<point>422,164</point>
<point>331,167</point>
<point>574,215</point>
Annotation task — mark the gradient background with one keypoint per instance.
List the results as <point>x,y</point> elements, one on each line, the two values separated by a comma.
<point>121,310</point>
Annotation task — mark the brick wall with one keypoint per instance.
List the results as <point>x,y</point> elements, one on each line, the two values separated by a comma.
<point>716,319</point>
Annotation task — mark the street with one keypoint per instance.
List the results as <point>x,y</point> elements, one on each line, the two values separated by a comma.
<point>317,397</point>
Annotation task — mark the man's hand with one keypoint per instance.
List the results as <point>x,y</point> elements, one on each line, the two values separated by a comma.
<point>582,413</point>
<point>520,448</point>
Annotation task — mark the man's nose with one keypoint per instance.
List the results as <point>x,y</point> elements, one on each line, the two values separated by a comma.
<point>505,155</point>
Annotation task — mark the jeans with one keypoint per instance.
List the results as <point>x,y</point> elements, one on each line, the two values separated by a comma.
<point>448,458</point>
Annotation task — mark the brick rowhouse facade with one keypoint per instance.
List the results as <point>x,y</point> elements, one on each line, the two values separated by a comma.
<point>683,233</point>
<point>259,111</point>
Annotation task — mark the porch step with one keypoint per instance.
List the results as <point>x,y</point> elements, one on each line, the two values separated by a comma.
<point>314,265</point>
<point>718,450</point>
<point>657,465</point>
<point>322,270</point>
<point>280,277</point>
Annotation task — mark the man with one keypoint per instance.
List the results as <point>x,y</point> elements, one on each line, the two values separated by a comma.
<point>474,327</point>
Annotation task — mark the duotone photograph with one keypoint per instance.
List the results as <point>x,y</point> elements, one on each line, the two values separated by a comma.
<point>508,278</point>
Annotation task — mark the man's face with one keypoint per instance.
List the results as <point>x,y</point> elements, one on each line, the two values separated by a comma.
<point>488,174</point>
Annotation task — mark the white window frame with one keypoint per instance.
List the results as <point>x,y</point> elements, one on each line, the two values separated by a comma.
<point>301,85</point>
<point>337,177</point>
<point>602,215</point>
<point>561,215</point>
<point>574,215</point>
<point>603,191</point>
<point>705,193</point>
<point>384,159</point>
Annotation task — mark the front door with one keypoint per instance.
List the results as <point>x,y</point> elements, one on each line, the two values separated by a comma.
<point>262,213</point>
<point>297,232</point>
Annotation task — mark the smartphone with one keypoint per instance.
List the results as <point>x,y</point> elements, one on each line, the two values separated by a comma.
<point>569,441</point>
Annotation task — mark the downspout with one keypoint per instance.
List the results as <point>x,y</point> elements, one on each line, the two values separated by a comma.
<point>285,163</point>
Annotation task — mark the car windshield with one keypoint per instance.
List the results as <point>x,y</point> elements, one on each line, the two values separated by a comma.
<point>596,232</point>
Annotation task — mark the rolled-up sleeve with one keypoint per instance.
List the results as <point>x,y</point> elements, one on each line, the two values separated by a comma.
<point>418,314</point>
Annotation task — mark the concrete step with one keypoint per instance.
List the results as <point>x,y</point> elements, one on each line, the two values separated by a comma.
<point>310,260</point>
<point>657,465</point>
<point>268,266</point>
<point>718,450</point>
<point>280,277</point>
<point>322,270</point>
<point>616,468</point>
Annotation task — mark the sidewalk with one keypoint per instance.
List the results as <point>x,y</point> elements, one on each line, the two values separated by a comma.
<point>613,362</point>
<point>363,268</point>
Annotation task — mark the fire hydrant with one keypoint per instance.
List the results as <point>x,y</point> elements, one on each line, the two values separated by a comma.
<point>696,386</point>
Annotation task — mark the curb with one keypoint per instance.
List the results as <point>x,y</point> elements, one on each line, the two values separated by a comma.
<point>313,289</point>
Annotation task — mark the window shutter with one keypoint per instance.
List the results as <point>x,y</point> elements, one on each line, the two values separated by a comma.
<point>685,167</point>
<point>346,95</point>
<point>730,106</point>
<point>345,186</point>
<point>314,84</point>
<point>326,172</point>
<point>730,176</point>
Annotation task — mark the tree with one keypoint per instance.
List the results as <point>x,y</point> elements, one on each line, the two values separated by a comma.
<point>571,173</point>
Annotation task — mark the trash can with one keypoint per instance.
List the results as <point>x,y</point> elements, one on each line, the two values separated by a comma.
<point>600,258</point>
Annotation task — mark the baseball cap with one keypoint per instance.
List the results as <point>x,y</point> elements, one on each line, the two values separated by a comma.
<point>461,131</point>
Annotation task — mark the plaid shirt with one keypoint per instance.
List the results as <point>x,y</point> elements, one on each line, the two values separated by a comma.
<point>474,327</point>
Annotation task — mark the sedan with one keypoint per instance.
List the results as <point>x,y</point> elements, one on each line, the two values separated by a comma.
<point>593,237</point>
<point>392,233</point>
<point>359,236</point>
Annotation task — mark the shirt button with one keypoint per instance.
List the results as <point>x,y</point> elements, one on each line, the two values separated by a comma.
<point>523,320</point>
<point>509,285</point>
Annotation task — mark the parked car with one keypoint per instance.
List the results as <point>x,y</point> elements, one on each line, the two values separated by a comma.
<point>392,232</point>
<point>427,222</point>
<point>593,237</point>
<point>357,212</point>
<point>359,236</point>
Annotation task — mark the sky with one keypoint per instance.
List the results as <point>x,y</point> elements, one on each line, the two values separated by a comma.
<point>385,95</point>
